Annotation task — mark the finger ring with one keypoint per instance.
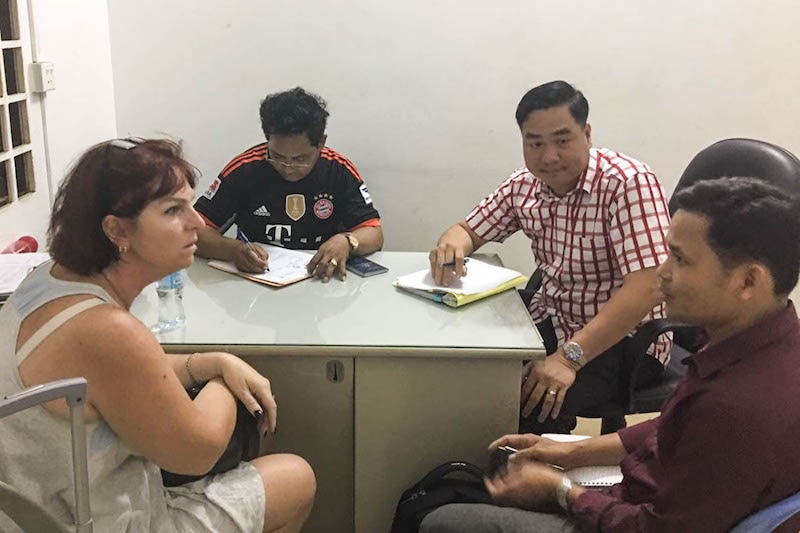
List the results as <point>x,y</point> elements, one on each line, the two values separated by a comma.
<point>334,262</point>
<point>552,392</point>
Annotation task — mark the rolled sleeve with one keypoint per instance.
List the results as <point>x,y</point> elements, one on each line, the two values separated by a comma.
<point>495,217</point>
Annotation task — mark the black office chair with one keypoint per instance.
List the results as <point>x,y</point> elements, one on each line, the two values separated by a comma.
<point>728,158</point>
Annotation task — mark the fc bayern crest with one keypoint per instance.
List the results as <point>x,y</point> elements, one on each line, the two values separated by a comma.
<point>323,208</point>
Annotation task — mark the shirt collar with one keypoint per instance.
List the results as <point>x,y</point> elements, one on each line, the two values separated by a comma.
<point>749,341</point>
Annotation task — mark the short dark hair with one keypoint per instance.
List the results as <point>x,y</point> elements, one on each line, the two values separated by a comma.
<point>294,112</point>
<point>749,219</point>
<point>109,180</point>
<point>554,94</point>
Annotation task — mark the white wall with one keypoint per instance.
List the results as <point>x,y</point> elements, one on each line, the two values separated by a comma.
<point>80,112</point>
<point>422,94</point>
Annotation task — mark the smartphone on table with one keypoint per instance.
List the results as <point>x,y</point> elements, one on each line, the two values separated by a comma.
<point>364,267</point>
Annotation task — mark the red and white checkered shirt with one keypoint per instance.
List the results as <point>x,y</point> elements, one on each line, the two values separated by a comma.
<point>613,223</point>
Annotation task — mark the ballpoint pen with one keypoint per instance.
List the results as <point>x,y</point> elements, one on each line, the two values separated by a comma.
<point>453,263</point>
<point>242,237</point>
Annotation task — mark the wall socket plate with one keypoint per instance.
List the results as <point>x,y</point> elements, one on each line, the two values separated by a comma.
<point>43,77</point>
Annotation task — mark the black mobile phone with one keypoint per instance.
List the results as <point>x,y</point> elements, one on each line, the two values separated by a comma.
<point>364,267</point>
<point>499,458</point>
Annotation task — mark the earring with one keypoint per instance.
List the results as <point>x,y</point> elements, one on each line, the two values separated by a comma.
<point>123,250</point>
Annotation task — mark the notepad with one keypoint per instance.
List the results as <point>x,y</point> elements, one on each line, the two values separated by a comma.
<point>285,266</point>
<point>15,267</point>
<point>482,280</point>
<point>589,476</point>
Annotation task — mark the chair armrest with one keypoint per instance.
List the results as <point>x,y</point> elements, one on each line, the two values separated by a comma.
<point>649,331</point>
<point>641,341</point>
<point>73,389</point>
<point>535,281</point>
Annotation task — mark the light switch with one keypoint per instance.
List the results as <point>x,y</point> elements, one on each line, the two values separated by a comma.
<point>43,77</point>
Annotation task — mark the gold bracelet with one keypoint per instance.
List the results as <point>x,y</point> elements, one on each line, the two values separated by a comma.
<point>194,384</point>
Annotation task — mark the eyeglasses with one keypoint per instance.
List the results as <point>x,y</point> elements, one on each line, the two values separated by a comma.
<point>288,165</point>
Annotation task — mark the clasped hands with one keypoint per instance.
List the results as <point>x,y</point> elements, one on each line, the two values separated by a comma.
<point>546,381</point>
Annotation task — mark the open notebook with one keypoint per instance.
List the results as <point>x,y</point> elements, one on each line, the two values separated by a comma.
<point>285,266</point>
<point>588,476</point>
<point>482,280</point>
<point>14,268</point>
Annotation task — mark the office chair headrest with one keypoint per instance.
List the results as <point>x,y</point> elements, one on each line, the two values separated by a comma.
<point>747,158</point>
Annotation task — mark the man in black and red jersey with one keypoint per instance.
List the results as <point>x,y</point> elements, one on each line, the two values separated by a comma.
<point>291,191</point>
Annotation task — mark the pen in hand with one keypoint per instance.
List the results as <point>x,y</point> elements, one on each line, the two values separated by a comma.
<point>453,263</point>
<point>242,237</point>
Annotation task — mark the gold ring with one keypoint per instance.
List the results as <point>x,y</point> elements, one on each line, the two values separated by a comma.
<point>334,262</point>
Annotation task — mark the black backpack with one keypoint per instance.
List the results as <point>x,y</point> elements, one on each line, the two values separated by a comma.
<point>455,482</point>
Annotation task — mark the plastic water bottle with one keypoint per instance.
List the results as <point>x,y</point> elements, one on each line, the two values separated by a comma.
<point>170,302</point>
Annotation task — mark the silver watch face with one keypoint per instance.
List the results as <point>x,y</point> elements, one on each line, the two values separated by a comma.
<point>573,351</point>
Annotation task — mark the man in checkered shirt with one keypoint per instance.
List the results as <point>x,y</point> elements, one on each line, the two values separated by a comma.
<point>597,220</point>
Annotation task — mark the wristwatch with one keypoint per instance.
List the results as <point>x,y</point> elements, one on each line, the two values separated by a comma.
<point>573,352</point>
<point>561,492</point>
<point>352,241</point>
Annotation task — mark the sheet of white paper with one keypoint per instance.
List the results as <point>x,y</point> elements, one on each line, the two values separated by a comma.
<point>284,265</point>
<point>14,268</point>
<point>589,476</point>
<point>595,476</point>
<point>480,277</point>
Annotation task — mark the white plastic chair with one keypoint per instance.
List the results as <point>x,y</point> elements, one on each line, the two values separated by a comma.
<point>27,514</point>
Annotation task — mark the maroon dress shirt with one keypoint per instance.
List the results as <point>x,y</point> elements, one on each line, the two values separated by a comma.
<point>725,446</point>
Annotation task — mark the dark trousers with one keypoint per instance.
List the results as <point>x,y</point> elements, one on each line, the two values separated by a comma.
<point>603,380</point>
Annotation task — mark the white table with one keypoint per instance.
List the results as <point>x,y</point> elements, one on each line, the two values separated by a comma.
<point>375,387</point>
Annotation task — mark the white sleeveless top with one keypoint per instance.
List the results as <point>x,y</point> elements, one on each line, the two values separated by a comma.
<point>126,490</point>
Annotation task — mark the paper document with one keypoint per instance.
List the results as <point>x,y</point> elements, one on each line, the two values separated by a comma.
<point>482,280</point>
<point>589,476</point>
<point>14,268</point>
<point>285,266</point>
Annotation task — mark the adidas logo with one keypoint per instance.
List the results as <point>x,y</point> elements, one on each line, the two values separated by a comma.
<point>261,212</point>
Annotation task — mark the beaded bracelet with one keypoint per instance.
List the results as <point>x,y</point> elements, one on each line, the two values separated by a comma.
<point>195,385</point>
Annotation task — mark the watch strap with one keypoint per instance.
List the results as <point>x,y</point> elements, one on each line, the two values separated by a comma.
<point>561,492</point>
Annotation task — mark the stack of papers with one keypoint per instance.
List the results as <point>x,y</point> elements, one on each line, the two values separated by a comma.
<point>14,268</point>
<point>589,476</point>
<point>285,266</point>
<point>482,280</point>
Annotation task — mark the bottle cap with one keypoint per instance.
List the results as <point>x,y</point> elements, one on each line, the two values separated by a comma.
<point>24,244</point>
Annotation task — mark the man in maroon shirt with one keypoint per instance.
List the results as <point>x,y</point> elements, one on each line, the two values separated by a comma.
<point>724,445</point>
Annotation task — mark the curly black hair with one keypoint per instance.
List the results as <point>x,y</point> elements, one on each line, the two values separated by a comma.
<point>294,112</point>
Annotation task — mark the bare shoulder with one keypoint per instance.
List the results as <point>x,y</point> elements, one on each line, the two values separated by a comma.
<point>109,329</point>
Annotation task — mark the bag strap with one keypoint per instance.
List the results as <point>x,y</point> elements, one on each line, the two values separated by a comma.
<point>54,323</point>
<point>449,468</point>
